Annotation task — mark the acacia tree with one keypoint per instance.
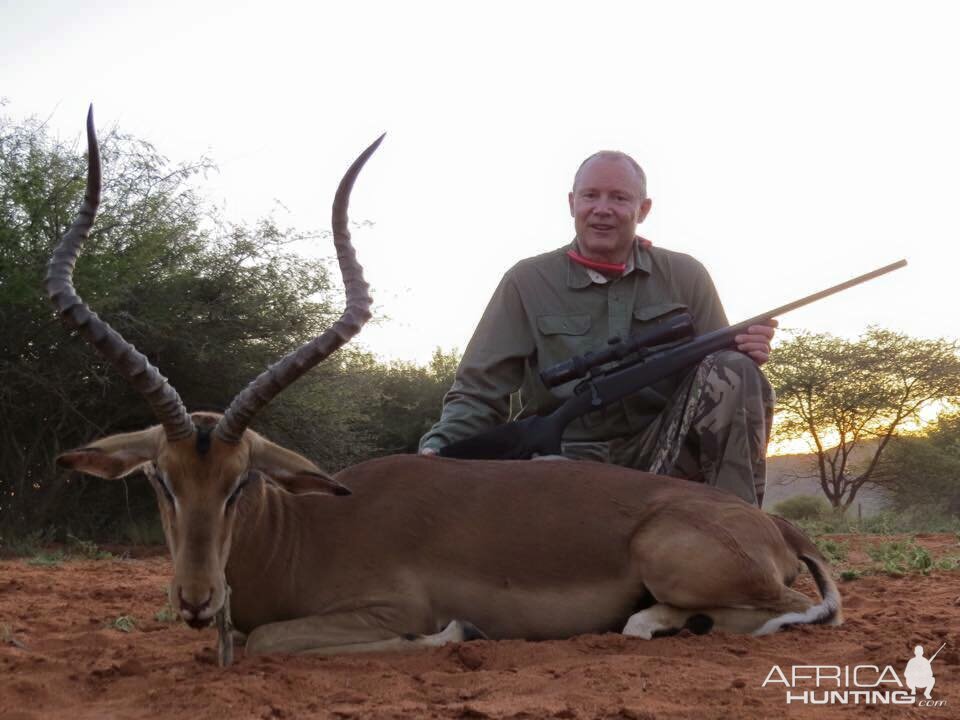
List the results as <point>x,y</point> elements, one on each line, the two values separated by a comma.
<point>843,395</point>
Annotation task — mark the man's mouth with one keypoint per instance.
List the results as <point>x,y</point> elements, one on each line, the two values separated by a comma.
<point>602,227</point>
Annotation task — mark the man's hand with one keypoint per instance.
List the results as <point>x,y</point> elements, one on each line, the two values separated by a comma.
<point>756,341</point>
<point>428,451</point>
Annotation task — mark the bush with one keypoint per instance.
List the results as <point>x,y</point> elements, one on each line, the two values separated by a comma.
<point>211,303</point>
<point>802,507</point>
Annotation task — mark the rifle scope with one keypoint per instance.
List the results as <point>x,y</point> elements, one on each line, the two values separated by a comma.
<point>674,328</point>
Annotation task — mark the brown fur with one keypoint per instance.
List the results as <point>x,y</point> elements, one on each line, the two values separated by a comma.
<point>519,549</point>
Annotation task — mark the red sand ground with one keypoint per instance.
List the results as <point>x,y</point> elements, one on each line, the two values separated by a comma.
<point>59,658</point>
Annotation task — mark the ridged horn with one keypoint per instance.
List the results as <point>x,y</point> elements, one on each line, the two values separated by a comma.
<point>272,381</point>
<point>77,315</point>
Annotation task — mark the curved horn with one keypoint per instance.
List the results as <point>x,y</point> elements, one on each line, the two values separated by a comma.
<point>77,315</point>
<point>272,381</point>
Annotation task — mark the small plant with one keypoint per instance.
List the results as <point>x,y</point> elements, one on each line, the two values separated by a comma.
<point>951,562</point>
<point>901,557</point>
<point>802,507</point>
<point>909,520</point>
<point>8,638</point>
<point>28,545</point>
<point>166,614</point>
<point>47,558</point>
<point>849,575</point>
<point>144,531</point>
<point>87,549</point>
<point>124,623</point>
<point>835,552</point>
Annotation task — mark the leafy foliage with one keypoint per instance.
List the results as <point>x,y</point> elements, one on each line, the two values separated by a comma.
<point>922,473</point>
<point>47,558</point>
<point>902,557</point>
<point>410,399</point>
<point>833,550</point>
<point>124,624</point>
<point>802,507</point>
<point>209,302</point>
<point>87,549</point>
<point>166,614</point>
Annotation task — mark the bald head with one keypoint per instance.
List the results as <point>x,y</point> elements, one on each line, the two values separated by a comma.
<point>607,203</point>
<point>622,157</point>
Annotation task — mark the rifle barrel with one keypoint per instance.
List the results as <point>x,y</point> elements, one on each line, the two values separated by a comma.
<point>620,383</point>
<point>824,293</point>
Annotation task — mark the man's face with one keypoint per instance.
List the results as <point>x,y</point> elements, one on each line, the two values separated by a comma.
<point>606,205</point>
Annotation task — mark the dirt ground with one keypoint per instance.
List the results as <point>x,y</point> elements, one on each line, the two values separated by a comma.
<point>64,654</point>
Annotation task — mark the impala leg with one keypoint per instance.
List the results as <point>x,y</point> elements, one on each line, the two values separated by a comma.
<point>661,620</point>
<point>348,633</point>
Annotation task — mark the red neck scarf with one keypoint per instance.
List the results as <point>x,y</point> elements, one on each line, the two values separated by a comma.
<point>605,268</point>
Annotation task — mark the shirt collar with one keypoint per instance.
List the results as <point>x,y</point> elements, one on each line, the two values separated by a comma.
<point>579,276</point>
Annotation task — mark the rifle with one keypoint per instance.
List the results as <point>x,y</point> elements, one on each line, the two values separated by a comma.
<point>542,434</point>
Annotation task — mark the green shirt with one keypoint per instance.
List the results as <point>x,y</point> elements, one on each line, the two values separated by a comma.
<point>548,309</point>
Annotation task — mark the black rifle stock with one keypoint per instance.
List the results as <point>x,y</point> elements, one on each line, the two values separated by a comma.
<point>541,435</point>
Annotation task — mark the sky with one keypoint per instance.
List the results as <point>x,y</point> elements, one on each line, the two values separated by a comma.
<point>787,145</point>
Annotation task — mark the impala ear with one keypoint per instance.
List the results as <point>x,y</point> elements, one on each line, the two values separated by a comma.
<point>94,461</point>
<point>310,483</point>
<point>115,456</point>
<point>289,470</point>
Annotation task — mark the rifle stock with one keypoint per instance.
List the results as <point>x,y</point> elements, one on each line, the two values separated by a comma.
<point>542,435</point>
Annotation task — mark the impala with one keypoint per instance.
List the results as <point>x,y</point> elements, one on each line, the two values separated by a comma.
<point>407,550</point>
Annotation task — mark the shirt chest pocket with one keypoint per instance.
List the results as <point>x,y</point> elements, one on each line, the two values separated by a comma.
<point>561,337</point>
<point>647,315</point>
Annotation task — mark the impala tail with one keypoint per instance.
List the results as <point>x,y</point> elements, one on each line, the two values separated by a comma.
<point>829,610</point>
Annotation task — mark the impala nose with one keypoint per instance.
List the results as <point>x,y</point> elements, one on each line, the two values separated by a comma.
<point>194,613</point>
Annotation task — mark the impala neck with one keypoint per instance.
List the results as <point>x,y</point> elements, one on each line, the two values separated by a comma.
<point>266,544</point>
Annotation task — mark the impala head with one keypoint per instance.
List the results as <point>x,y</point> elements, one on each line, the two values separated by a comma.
<point>200,463</point>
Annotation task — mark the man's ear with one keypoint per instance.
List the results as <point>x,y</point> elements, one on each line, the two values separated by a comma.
<point>644,209</point>
<point>570,200</point>
<point>114,456</point>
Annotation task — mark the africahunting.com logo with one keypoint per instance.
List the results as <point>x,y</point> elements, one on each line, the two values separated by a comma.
<point>859,684</point>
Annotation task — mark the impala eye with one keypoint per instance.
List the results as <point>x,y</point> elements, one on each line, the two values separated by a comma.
<point>164,486</point>
<point>238,489</point>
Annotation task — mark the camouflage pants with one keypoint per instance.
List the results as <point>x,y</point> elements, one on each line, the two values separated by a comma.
<point>714,429</point>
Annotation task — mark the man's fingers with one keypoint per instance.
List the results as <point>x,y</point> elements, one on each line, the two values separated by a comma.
<point>766,331</point>
<point>756,341</point>
<point>753,339</point>
<point>759,351</point>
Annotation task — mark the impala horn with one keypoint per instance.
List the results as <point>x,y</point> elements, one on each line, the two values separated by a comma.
<point>272,381</point>
<point>77,315</point>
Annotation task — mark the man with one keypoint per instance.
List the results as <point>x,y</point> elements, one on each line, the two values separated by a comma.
<point>710,425</point>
